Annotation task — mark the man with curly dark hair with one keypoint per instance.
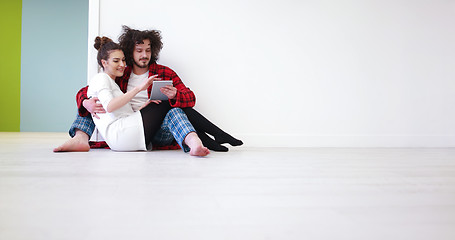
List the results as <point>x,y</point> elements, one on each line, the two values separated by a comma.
<point>131,37</point>
<point>142,50</point>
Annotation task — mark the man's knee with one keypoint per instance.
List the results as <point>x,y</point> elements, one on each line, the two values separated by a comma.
<point>175,111</point>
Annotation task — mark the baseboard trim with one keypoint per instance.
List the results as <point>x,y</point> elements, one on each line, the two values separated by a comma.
<point>346,141</point>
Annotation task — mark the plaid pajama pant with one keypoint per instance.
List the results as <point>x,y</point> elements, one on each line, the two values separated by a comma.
<point>84,124</point>
<point>175,126</point>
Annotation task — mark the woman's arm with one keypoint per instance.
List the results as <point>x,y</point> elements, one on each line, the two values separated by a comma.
<point>120,101</point>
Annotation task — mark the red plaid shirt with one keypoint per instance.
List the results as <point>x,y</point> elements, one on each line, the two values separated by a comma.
<point>184,98</point>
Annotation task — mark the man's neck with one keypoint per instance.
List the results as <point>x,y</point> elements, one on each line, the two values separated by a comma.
<point>139,71</point>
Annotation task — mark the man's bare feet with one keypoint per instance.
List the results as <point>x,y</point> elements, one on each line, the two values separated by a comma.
<point>79,143</point>
<point>195,145</point>
<point>199,151</point>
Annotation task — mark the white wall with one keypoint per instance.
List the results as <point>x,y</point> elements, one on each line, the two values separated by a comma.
<point>310,73</point>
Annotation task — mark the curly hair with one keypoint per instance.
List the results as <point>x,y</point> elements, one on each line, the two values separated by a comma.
<point>130,37</point>
<point>104,45</point>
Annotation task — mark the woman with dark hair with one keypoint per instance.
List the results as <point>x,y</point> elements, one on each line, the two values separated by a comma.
<point>125,129</point>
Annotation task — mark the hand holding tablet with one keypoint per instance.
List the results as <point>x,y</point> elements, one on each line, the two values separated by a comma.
<point>156,93</point>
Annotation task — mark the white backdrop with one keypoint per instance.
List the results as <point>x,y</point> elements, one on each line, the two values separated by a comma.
<point>307,73</point>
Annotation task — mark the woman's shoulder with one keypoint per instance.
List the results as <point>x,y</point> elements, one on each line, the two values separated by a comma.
<point>101,75</point>
<point>100,79</point>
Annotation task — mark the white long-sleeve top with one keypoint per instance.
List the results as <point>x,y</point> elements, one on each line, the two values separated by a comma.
<point>123,128</point>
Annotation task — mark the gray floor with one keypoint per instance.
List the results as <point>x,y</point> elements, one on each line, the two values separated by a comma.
<point>247,193</point>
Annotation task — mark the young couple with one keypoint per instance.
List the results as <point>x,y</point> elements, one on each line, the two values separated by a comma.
<point>118,100</point>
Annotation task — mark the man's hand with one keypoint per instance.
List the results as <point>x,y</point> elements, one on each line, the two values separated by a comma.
<point>93,106</point>
<point>170,91</point>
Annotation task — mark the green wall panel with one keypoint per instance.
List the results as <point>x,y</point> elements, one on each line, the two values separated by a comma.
<point>10,65</point>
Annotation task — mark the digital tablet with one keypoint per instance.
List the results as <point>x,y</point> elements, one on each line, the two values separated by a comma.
<point>156,94</point>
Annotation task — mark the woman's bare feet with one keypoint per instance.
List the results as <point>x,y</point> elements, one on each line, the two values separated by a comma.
<point>195,145</point>
<point>79,143</point>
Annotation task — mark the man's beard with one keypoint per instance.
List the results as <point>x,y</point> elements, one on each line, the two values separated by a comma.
<point>145,65</point>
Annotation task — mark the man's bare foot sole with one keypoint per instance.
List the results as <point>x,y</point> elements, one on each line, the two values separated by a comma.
<point>199,151</point>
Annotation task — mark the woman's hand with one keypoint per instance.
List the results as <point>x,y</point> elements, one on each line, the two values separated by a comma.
<point>148,102</point>
<point>149,81</point>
